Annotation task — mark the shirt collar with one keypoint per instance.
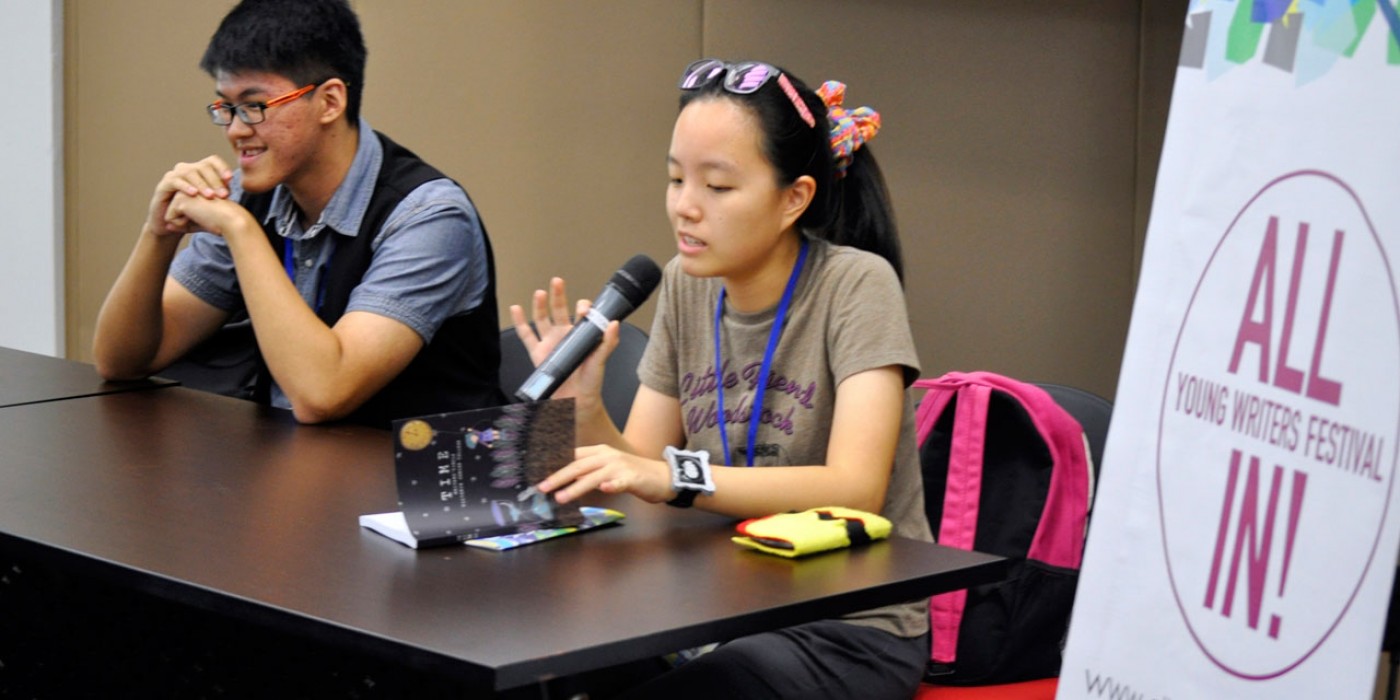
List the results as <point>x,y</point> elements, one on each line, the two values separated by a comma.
<point>346,210</point>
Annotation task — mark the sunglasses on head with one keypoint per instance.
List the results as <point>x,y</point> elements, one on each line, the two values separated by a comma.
<point>743,78</point>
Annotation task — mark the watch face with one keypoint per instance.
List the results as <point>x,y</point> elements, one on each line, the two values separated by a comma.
<point>690,469</point>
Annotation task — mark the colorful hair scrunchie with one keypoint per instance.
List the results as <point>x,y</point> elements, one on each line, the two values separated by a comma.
<point>850,129</point>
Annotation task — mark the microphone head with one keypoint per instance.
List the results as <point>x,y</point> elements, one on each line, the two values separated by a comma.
<point>637,279</point>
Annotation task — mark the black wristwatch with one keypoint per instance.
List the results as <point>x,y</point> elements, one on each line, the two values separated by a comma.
<point>690,475</point>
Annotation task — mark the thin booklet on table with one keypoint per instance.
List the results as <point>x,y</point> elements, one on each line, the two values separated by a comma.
<point>469,477</point>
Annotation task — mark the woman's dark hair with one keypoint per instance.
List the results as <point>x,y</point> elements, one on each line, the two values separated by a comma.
<point>306,41</point>
<point>853,210</point>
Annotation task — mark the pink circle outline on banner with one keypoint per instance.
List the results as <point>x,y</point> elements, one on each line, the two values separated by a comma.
<point>1166,389</point>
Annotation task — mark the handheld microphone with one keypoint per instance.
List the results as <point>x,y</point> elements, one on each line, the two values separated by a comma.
<point>628,288</point>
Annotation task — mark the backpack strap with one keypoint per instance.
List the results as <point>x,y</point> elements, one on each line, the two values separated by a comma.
<point>961,496</point>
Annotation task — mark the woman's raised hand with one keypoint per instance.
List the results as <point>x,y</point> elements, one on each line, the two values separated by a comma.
<point>550,313</point>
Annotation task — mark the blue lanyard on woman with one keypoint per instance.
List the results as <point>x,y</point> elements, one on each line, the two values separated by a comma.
<point>779,323</point>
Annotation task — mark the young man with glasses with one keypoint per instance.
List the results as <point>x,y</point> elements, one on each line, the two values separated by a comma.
<point>332,272</point>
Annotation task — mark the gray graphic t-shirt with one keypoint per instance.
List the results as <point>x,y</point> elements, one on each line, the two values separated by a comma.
<point>847,316</point>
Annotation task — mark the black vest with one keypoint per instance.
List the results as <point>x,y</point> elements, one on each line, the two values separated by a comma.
<point>458,370</point>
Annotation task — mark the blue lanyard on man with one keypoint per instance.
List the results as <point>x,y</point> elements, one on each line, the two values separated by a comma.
<point>289,261</point>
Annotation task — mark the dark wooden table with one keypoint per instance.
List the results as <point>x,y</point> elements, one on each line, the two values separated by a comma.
<point>231,507</point>
<point>27,377</point>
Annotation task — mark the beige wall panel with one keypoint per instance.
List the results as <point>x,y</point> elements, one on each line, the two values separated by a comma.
<point>1008,145</point>
<point>1163,23</point>
<point>134,96</point>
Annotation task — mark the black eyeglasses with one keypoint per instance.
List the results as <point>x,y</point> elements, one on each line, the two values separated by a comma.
<point>743,78</point>
<point>250,113</point>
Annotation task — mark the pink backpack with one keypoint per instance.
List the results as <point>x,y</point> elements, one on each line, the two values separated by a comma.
<point>1006,471</point>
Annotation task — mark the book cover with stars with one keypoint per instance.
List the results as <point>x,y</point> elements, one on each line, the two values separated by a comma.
<point>469,477</point>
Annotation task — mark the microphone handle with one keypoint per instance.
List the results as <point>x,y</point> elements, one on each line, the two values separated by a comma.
<point>574,348</point>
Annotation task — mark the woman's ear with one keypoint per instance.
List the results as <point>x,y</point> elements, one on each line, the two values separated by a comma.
<point>796,198</point>
<point>334,98</point>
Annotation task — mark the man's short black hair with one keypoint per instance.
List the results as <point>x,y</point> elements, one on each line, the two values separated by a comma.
<point>306,41</point>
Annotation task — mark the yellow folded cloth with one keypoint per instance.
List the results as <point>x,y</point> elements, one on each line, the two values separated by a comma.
<point>810,531</point>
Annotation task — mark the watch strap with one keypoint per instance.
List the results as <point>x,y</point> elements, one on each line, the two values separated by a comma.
<point>685,498</point>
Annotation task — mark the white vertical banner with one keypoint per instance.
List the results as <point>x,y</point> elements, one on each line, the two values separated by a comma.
<point>1245,532</point>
